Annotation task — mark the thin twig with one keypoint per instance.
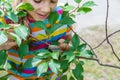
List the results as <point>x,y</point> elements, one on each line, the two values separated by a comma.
<point>106,29</point>
<point>107,36</point>
<point>107,65</point>
<point>106,39</point>
<point>85,42</point>
<point>74,10</point>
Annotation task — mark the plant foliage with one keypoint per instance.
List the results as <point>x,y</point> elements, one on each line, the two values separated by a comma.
<point>59,62</point>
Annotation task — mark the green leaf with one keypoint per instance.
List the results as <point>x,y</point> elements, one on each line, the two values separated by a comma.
<point>54,66</point>
<point>55,55</point>
<point>42,53</point>
<point>20,68</point>
<point>82,47</point>
<point>25,6</point>
<point>67,21</point>
<point>53,18</point>
<point>77,1</point>
<point>23,50</point>
<point>8,6</point>
<point>78,72</point>
<point>89,4</point>
<point>32,62</point>
<point>86,53</point>
<point>75,41</point>
<point>3,37</point>
<point>72,15</point>
<point>11,15</point>
<point>69,7</point>
<point>84,10</point>
<point>16,38</point>
<point>71,78</point>
<point>64,65</point>
<point>40,24</point>
<point>1,12</point>
<point>64,77</point>
<point>22,31</point>
<point>69,55</point>
<point>42,68</point>
<point>21,13</point>
<point>53,28</point>
<point>55,43</point>
<point>5,77</point>
<point>3,57</point>
<point>11,65</point>
<point>4,26</point>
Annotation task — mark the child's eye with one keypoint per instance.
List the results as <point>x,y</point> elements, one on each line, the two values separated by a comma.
<point>54,1</point>
<point>37,1</point>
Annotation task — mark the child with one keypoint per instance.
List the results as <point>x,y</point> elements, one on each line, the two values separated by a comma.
<point>42,9</point>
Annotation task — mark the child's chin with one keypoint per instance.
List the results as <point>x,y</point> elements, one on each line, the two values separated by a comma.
<point>40,19</point>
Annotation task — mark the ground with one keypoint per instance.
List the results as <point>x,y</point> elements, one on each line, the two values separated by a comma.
<point>93,71</point>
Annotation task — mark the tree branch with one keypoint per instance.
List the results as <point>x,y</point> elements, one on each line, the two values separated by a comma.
<point>106,29</point>
<point>106,39</point>
<point>107,65</point>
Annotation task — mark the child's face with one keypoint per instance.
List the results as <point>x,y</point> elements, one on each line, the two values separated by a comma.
<point>42,8</point>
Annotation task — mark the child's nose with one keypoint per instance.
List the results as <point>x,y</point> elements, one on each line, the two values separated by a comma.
<point>46,8</point>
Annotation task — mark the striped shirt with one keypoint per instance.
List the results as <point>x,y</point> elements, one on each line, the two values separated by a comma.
<point>13,57</point>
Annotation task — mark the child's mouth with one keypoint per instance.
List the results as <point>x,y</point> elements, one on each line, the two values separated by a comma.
<point>42,16</point>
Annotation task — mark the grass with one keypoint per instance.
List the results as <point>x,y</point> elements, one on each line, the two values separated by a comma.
<point>93,71</point>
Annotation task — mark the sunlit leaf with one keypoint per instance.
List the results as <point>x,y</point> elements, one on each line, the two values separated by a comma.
<point>69,7</point>
<point>22,31</point>
<point>89,4</point>
<point>42,53</point>
<point>32,62</point>
<point>77,1</point>
<point>12,16</point>
<point>84,10</point>
<point>3,37</point>
<point>69,55</point>
<point>25,6</point>
<point>1,12</point>
<point>86,53</point>
<point>16,38</point>
<point>55,55</point>
<point>54,66</point>
<point>43,67</point>
<point>4,26</point>
<point>8,6</point>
